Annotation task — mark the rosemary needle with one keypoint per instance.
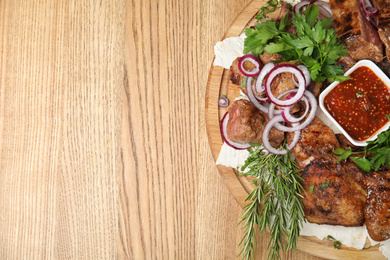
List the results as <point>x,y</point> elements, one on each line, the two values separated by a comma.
<point>274,203</point>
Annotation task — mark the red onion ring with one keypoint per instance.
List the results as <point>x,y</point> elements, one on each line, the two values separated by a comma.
<point>229,142</point>
<point>298,6</point>
<point>301,84</point>
<point>249,57</point>
<point>252,97</point>
<point>272,112</point>
<point>297,135</point>
<point>314,106</point>
<point>272,123</point>
<point>290,118</point>
<point>223,102</point>
<point>265,136</point>
<point>259,87</point>
<point>259,81</point>
<point>305,71</point>
<point>324,5</point>
<point>369,12</point>
<point>324,8</point>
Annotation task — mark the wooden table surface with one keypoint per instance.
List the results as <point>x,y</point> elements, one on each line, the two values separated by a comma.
<point>104,151</point>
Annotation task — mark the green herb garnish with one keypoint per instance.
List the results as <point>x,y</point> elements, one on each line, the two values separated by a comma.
<point>336,243</point>
<point>311,189</point>
<point>315,45</point>
<point>277,189</point>
<point>243,82</point>
<point>325,184</point>
<point>378,151</point>
<point>359,94</point>
<point>268,8</point>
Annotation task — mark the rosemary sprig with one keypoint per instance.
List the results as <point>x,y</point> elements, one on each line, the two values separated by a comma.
<point>274,203</point>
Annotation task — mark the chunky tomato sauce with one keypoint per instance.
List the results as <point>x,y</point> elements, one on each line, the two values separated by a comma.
<point>359,105</point>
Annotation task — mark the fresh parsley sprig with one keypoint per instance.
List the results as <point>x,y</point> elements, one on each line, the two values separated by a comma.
<point>268,8</point>
<point>374,155</point>
<point>275,203</point>
<point>314,45</point>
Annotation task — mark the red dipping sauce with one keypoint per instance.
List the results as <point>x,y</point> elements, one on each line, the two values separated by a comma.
<point>359,105</point>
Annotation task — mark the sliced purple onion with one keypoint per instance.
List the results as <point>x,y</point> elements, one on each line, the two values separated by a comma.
<point>314,106</point>
<point>369,12</point>
<point>324,5</point>
<point>252,97</point>
<point>290,118</point>
<point>272,112</point>
<point>301,4</point>
<point>265,136</point>
<point>301,84</point>
<point>267,129</point>
<point>324,8</point>
<point>229,142</point>
<point>259,87</point>
<point>249,57</point>
<point>297,135</point>
<point>306,73</point>
<point>223,101</point>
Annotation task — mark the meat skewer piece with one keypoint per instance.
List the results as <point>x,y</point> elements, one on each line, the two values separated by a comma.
<point>358,34</point>
<point>246,124</point>
<point>331,195</point>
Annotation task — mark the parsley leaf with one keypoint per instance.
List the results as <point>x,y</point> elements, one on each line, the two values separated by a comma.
<point>268,8</point>
<point>378,151</point>
<point>314,44</point>
<point>362,163</point>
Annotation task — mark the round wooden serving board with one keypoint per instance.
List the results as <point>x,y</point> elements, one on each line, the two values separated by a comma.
<point>218,84</point>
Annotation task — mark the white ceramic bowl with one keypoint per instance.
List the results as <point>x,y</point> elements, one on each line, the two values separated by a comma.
<point>381,75</point>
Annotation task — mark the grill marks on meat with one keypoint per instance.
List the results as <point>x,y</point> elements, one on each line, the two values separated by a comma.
<point>383,7</point>
<point>316,143</point>
<point>377,211</point>
<point>336,198</point>
<point>359,35</point>
<point>246,124</point>
<point>341,193</point>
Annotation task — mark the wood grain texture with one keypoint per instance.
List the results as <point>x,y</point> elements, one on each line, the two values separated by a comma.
<point>61,110</point>
<point>104,150</point>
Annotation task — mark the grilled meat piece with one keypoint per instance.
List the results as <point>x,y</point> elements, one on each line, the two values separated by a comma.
<point>337,197</point>
<point>236,75</point>
<point>315,88</point>
<point>383,7</point>
<point>246,124</point>
<point>345,143</point>
<point>357,33</point>
<point>283,81</point>
<point>266,57</point>
<point>315,144</point>
<point>384,35</point>
<point>377,210</point>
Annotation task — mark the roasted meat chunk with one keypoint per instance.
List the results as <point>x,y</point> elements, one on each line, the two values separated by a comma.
<point>236,75</point>
<point>330,196</point>
<point>316,143</point>
<point>384,35</point>
<point>357,33</point>
<point>266,57</point>
<point>246,124</point>
<point>377,210</point>
<point>383,7</point>
<point>332,193</point>
<point>282,82</point>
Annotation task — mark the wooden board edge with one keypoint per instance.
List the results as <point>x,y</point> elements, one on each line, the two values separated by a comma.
<point>239,188</point>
